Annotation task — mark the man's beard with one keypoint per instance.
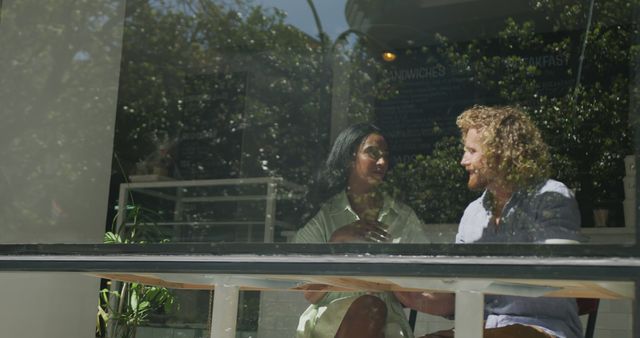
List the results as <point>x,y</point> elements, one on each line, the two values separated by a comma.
<point>477,180</point>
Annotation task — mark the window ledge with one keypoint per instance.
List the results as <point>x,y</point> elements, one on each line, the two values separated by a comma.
<point>609,235</point>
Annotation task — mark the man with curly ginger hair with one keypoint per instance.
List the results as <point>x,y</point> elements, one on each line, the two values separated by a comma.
<point>507,159</point>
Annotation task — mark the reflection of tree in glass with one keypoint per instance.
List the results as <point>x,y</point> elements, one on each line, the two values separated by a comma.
<point>586,124</point>
<point>57,68</point>
<point>177,66</point>
<point>244,93</point>
<point>239,90</point>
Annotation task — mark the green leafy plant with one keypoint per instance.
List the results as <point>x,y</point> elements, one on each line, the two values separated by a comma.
<point>134,302</point>
<point>126,306</point>
<point>581,103</point>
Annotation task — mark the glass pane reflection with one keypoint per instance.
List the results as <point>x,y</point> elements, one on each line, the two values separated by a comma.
<point>206,95</point>
<point>217,90</point>
<point>212,90</point>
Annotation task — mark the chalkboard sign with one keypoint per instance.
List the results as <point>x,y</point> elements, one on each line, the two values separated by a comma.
<point>430,92</point>
<point>427,98</point>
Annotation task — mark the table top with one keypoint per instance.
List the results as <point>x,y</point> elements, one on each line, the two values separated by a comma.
<point>515,287</point>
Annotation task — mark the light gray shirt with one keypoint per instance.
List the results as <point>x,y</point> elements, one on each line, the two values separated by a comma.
<point>546,211</point>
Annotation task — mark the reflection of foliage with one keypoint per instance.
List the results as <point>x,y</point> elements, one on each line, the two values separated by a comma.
<point>433,185</point>
<point>366,80</point>
<point>280,115</point>
<point>140,228</point>
<point>585,123</point>
<point>275,122</point>
<point>57,88</point>
<point>131,305</point>
<point>588,149</point>
<point>248,315</point>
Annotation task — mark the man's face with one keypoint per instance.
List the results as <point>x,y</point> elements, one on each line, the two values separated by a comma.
<point>473,160</point>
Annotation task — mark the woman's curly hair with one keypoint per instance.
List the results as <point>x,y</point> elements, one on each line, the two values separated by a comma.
<point>513,146</point>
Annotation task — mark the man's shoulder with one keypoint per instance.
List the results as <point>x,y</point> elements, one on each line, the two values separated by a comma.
<point>476,204</point>
<point>551,185</point>
<point>474,214</point>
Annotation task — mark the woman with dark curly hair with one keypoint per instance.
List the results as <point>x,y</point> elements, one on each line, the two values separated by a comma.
<point>357,211</point>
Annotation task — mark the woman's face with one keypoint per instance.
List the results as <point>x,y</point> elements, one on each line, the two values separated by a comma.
<point>370,163</point>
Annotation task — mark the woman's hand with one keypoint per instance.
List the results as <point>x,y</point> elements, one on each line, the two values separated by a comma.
<point>361,231</point>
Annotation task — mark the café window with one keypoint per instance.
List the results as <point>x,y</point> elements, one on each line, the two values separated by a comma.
<point>227,92</point>
<point>180,128</point>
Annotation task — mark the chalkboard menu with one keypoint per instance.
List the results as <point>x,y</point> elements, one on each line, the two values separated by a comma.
<point>427,97</point>
<point>431,89</point>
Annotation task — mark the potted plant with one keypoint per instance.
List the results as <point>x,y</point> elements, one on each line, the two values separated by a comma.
<point>124,306</point>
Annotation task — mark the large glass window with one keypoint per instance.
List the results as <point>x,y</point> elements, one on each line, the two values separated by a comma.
<point>192,144</point>
<point>218,90</point>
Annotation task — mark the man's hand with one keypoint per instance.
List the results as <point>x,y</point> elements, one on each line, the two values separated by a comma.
<point>440,334</point>
<point>361,231</point>
<point>409,299</point>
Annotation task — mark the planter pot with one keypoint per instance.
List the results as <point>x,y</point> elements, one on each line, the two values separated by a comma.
<point>630,165</point>
<point>629,183</point>
<point>629,213</point>
<point>600,217</point>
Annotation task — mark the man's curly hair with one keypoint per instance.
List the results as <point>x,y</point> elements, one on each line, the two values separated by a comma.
<point>513,146</point>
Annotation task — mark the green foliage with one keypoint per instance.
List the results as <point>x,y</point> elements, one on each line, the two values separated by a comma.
<point>125,306</point>
<point>297,81</point>
<point>138,229</point>
<point>135,302</point>
<point>433,185</point>
<point>586,126</point>
<point>279,117</point>
<point>586,148</point>
<point>276,125</point>
<point>60,93</point>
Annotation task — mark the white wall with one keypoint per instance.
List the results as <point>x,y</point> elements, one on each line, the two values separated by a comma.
<point>279,313</point>
<point>614,320</point>
<point>59,67</point>
<point>47,305</point>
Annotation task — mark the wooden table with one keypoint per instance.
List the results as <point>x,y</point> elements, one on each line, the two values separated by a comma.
<point>469,291</point>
